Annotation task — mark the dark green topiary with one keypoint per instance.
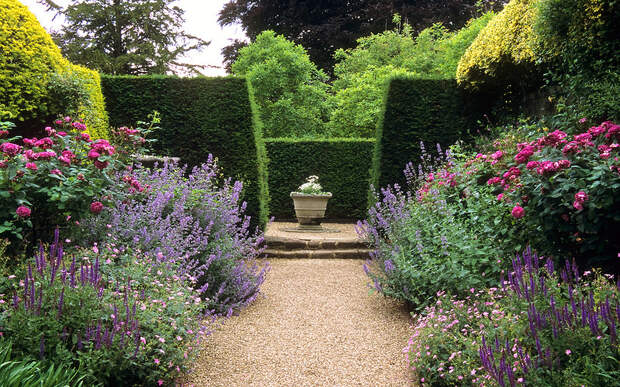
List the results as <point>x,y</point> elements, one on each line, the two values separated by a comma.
<point>428,110</point>
<point>343,167</point>
<point>198,116</point>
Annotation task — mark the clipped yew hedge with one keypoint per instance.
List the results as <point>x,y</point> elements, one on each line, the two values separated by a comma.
<point>198,116</point>
<point>343,167</point>
<point>429,110</point>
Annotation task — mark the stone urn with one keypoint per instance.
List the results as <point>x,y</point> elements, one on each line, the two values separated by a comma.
<point>310,209</point>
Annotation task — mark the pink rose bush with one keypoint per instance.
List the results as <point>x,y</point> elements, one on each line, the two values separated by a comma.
<point>55,176</point>
<point>562,188</point>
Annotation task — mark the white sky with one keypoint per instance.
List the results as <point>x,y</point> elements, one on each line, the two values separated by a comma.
<point>200,20</point>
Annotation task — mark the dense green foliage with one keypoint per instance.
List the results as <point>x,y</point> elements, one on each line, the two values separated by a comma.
<point>198,116</point>
<point>415,110</point>
<point>31,373</point>
<point>288,88</point>
<point>342,165</point>
<point>36,83</point>
<point>364,72</point>
<point>580,36</point>
<point>125,37</point>
<point>579,41</point>
<point>322,27</point>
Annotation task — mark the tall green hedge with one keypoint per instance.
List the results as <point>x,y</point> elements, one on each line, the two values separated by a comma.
<point>198,116</point>
<point>343,167</point>
<point>414,110</point>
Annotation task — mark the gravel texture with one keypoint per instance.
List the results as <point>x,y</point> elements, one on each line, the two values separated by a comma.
<point>315,325</point>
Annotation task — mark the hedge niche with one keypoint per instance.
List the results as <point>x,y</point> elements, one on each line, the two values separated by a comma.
<point>343,167</point>
<point>415,110</point>
<point>198,116</point>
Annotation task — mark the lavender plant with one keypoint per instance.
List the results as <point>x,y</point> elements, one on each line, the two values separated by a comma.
<point>195,222</point>
<point>422,244</point>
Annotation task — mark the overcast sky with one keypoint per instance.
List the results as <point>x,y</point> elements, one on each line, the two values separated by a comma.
<point>200,20</point>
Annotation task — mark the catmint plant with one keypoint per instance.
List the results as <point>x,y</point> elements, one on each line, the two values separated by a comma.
<point>194,221</point>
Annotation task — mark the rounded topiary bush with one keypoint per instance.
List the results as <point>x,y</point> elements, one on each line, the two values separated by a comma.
<point>503,52</point>
<point>37,83</point>
<point>28,57</point>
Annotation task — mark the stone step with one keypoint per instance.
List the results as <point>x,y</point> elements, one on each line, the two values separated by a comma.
<point>284,243</point>
<point>319,254</point>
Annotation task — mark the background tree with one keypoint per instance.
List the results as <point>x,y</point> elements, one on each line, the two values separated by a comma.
<point>125,37</point>
<point>322,26</point>
<point>362,73</point>
<point>287,87</point>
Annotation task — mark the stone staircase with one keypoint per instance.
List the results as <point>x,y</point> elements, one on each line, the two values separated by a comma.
<point>345,243</point>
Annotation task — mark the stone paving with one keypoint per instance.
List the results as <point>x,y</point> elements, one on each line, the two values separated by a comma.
<point>345,243</point>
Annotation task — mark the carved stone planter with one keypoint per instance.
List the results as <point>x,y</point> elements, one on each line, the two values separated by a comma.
<point>310,209</point>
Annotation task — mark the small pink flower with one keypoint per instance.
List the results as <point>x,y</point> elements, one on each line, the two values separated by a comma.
<point>583,120</point>
<point>518,212</point>
<point>31,166</point>
<point>568,352</point>
<point>23,211</point>
<point>160,382</point>
<point>156,360</point>
<point>55,171</point>
<point>581,196</point>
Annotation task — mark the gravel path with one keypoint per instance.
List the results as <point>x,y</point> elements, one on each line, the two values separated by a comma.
<point>316,325</point>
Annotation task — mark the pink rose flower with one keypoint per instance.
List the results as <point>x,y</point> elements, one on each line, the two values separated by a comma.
<point>96,207</point>
<point>31,166</point>
<point>93,154</point>
<point>518,212</point>
<point>23,211</point>
<point>10,149</point>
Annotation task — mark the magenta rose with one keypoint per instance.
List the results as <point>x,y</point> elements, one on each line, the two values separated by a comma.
<point>96,207</point>
<point>23,211</point>
<point>518,212</point>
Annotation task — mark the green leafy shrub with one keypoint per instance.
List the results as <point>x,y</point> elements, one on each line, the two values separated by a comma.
<point>34,76</point>
<point>503,52</point>
<point>289,90</point>
<point>342,165</point>
<point>579,36</point>
<point>415,110</point>
<point>578,40</point>
<point>363,73</point>
<point>198,116</point>
<point>357,108</point>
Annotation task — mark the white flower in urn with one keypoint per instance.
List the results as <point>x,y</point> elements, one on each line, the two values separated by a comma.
<point>311,187</point>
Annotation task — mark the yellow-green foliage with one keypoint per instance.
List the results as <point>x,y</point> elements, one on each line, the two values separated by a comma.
<point>503,51</point>
<point>28,59</point>
<point>92,108</point>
